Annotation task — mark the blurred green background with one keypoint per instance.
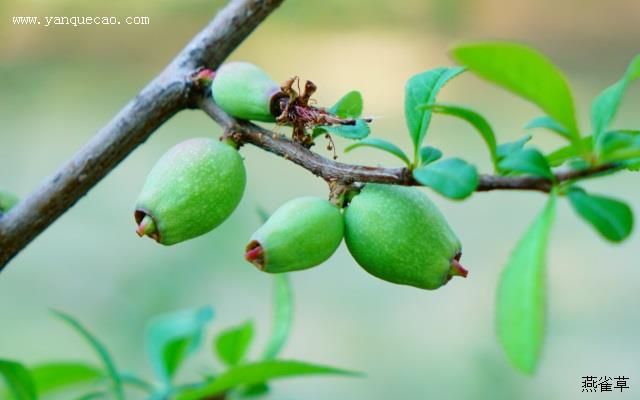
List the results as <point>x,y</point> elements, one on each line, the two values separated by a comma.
<point>59,85</point>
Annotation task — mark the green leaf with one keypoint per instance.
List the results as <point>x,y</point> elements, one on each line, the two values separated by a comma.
<point>349,106</point>
<point>7,201</point>
<point>59,375</point>
<point>257,389</point>
<point>527,73</point>
<point>612,218</point>
<point>423,89</point>
<point>549,123</point>
<point>619,145</point>
<point>476,120</point>
<point>249,374</point>
<point>232,344</point>
<point>529,161</point>
<point>521,295</point>
<point>380,144</point>
<point>453,177</point>
<point>429,154</point>
<point>282,316</point>
<point>100,349</point>
<point>559,156</point>
<point>172,337</point>
<point>18,380</point>
<point>605,106</point>
<point>359,130</point>
<point>503,150</point>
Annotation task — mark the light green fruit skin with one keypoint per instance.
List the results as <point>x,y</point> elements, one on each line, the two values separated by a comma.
<point>7,201</point>
<point>397,234</point>
<point>243,90</point>
<point>193,188</point>
<point>302,233</point>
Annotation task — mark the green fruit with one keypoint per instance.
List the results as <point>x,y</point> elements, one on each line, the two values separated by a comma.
<point>192,189</point>
<point>397,234</point>
<point>245,91</point>
<point>302,233</point>
<point>7,201</point>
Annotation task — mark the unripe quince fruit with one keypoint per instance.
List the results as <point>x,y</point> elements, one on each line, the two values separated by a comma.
<point>302,233</point>
<point>245,91</point>
<point>192,189</point>
<point>397,234</point>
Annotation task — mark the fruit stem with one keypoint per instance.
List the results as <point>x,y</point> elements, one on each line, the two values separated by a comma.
<point>147,226</point>
<point>457,269</point>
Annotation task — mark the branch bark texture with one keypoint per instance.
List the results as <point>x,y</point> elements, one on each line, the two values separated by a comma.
<point>174,90</point>
<point>168,93</point>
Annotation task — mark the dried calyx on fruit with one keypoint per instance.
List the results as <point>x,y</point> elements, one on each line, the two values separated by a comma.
<point>397,234</point>
<point>245,91</point>
<point>302,233</point>
<point>192,189</point>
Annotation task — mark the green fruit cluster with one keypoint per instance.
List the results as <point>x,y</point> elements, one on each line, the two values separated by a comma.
<point>395,233</point>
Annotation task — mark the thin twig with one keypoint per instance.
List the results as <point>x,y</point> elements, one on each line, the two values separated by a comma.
<point>174,90</point>
<point>330,170</point>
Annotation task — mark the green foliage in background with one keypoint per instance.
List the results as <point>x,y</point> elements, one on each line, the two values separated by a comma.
<point>170,339</point>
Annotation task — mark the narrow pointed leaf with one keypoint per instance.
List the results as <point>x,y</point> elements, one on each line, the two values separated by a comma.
<point>349,106</point>
<point>546,122</point>
<point>476,120</point>
<point>429,154</point>
<point>282,316</point>
<point>521,295</point>
<point>527,73</point>
<point>529,161</point>
<point>60,375</point>
<point>100,349</point>
<point>613,219</point>
<point>453,177</point>
<point>605,106</point>
<point>380,144</point>
<point>170,338</point>
<point>423,89</point>
<point>505,149</point>
<point>263,371</point>
<point>232,344</point>
<point>18,380</point>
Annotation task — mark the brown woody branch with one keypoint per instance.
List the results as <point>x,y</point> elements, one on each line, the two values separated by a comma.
<point>333,171</point>
<point>171,91</point>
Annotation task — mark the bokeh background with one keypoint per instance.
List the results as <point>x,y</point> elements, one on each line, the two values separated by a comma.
<point>59,85</point>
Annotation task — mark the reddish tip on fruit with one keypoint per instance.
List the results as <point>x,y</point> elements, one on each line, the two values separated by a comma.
<point>255,254</point>
<point>457,269</point>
